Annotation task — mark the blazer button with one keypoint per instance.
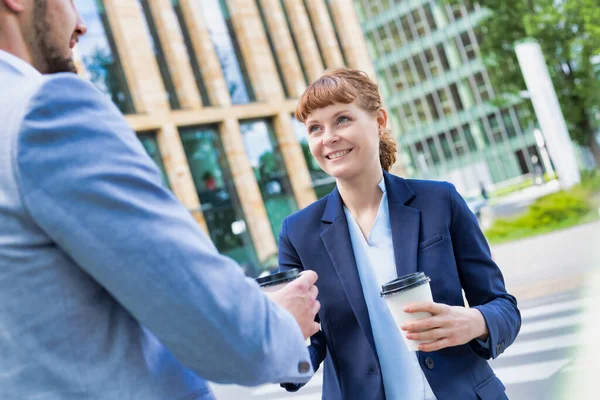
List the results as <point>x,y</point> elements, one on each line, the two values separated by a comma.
<point>429,362</point>
<point>372,371</point>
<point>303,367</point>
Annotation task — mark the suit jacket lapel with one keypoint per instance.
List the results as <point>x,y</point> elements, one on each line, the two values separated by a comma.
<point>405,223</point>
<point>336,238</point>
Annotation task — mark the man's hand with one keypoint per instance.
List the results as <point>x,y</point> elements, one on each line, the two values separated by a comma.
<point>448,326</point>
<point>299,297</point>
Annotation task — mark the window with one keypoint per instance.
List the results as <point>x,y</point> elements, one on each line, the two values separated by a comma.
<point>419,67</point>
<point>469,136</point>
<point>429,17</point>
<point>272,47</point>
<point>410,118</point>
<point>271,175</point>
<point>421,110</point>
<point>406,28</point>
<point>456,97</point>
<point>159,53</point>
<point>468,45</point>
<point>445,102</point>
<point>408,73</point>
<point>433,150</point>
<point>458,142</point>
<point>419,24</point>
<point>220,26</point>
<point>432,106</point>
<point>191,54</point>
<point>445,146</point>
<point>432,64</point>
<point>218,197</point>
<point>482,88</point>
<point>508,124</point>
<point>495,128</point>
<point>396,78</point>
<point>442,57</point>
<point>100,57</point>
<point>149,142</point>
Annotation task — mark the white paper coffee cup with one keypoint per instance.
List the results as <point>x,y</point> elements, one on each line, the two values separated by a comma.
<point>274,282</point>
<point>399,293</point>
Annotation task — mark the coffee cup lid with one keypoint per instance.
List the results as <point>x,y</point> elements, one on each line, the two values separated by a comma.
<point>279,277</point>
<point>404,283</point>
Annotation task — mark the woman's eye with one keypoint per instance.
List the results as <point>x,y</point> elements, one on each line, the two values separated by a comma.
<point>313,128</point>
<point>343,119</point>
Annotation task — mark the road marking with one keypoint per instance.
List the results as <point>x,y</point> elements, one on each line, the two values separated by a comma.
<point>551,323</point>
<point>530,372</point>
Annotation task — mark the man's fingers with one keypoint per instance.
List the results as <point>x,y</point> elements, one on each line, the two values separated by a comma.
<point>314,292</point>
<point>314,329</point>
<point>308,276</point>
<point>316,307</point>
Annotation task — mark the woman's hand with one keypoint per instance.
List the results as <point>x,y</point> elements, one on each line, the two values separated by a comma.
<point>448,326</point>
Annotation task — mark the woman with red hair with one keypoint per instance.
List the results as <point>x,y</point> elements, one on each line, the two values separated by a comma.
<point>374,227</point>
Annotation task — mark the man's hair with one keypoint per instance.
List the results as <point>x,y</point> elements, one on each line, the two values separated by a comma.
<point>344,85</point>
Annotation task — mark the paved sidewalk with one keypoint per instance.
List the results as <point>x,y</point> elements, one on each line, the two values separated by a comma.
<point>550,263</point>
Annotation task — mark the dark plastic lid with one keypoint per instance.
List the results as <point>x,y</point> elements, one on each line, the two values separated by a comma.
<point>277,278</point>
<point>404,283</point>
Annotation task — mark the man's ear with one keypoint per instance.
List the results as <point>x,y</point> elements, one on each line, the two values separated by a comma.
<point>14,5</point>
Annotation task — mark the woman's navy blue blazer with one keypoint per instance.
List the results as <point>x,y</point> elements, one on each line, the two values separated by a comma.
<point>434,232</point>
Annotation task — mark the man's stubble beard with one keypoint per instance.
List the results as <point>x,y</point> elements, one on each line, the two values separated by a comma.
<point>50,58</point>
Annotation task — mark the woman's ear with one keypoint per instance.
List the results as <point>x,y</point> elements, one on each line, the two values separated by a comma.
<point>382,118</point>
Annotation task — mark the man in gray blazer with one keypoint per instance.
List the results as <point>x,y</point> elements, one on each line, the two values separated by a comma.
<point>108,287</point>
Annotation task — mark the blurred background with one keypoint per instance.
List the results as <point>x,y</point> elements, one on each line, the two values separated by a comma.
<point>501,98</point>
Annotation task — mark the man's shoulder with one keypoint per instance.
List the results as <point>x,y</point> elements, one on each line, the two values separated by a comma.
<point>61,88</point>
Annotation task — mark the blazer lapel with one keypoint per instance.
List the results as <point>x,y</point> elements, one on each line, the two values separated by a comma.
<point>336,238</point>
<point>405,224</point>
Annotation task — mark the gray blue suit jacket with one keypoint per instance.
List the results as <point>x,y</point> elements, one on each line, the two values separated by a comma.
<point>108,287</point>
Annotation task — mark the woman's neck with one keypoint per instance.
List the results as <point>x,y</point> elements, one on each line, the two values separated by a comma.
<point>362,193</point>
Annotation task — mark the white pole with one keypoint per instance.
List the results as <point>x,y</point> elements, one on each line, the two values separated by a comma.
<point>548,112</point>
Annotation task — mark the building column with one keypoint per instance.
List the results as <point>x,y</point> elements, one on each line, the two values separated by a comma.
<point>178,171</point>
<point>305,40</point>
<point>295,164</point>
<point>255,50</point>
<point>137,57</point>
<point>284,47</point>
<point>171,39</point>
<point>247,190</point>
<point>351,36</point>
<point>325,33</point>
<point>205,53</point>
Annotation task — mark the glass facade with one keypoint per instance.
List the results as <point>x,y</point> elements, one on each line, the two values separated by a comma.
<point>163,65</point>
<point>191,53</point>
<point>267,162</point>
<point>426,54</point>
<point>149,142</point>
<point>100,57</point>
<point>322,183</point>
<point>218,197</point>
<point>222,34</point>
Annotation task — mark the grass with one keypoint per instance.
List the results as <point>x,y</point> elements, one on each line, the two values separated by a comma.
<point>556,211</point>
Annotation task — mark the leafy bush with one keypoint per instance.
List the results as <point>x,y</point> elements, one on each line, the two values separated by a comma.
<point>545,214</point>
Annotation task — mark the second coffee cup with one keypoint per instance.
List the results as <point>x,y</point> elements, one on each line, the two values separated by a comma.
<point>278,280</point>
<point>399,293</point>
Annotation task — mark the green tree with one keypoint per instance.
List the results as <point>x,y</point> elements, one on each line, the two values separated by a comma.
<point>568,32</point>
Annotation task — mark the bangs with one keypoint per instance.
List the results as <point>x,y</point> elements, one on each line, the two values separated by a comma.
<point>326,91</point>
